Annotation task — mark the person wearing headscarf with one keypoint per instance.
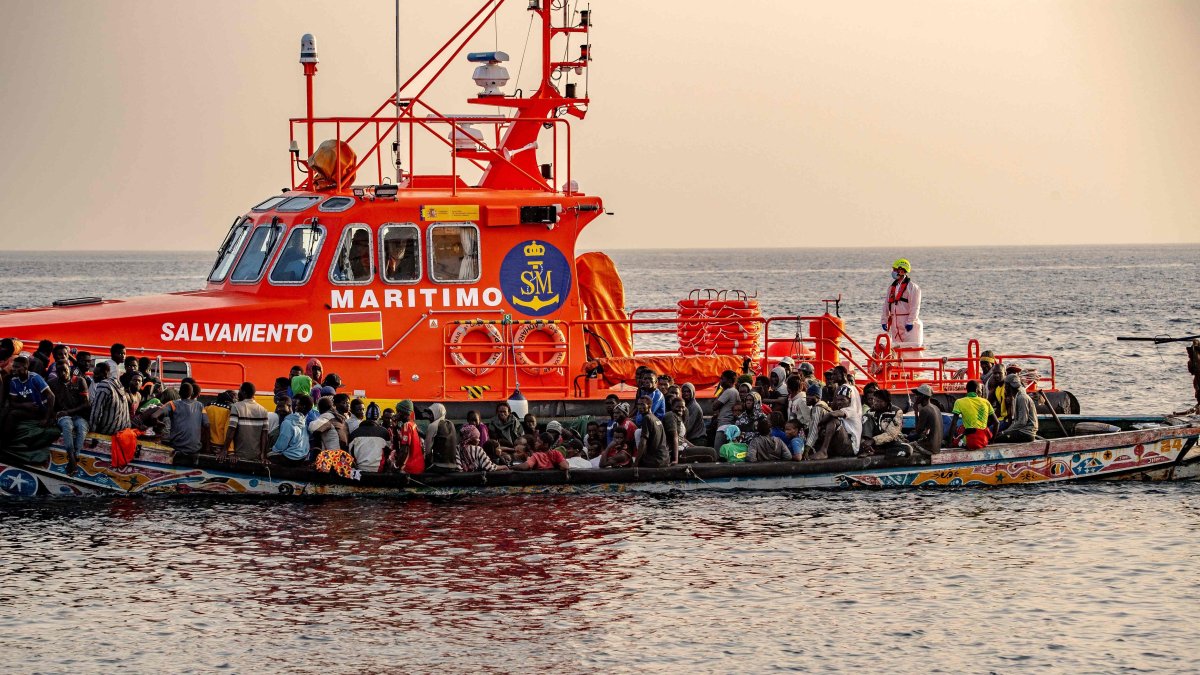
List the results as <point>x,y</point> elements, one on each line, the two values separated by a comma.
<point>471,457</point>
<point>407,453</point>
<point>441,441</point>
<point>369,441</point>
<point>901,318</point>
<point>733,451</point>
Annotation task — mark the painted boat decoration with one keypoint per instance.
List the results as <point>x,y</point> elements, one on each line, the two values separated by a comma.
<point>1166,452</point>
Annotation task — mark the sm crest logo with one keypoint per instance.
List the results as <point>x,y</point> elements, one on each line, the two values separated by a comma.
<point>535,278</point>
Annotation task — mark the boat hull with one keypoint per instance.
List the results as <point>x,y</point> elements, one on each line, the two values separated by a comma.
<point>1166,453</point>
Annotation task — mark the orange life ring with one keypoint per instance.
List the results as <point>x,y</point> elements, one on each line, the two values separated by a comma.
<point>558,357</point>
<point>460,359</point>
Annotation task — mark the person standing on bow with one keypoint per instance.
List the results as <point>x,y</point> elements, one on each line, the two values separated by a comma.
<point>902,308</point>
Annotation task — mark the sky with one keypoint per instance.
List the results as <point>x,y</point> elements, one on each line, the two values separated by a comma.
<point>151,125</point>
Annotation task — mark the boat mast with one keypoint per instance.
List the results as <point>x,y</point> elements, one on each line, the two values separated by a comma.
<point>399,110</point>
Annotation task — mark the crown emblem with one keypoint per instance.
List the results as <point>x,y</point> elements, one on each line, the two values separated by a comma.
<point>534,250</point>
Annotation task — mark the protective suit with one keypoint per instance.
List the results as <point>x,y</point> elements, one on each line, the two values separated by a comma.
<point>901,317</point>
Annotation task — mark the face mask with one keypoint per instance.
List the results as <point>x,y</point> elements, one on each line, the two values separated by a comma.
<point>895,275</point>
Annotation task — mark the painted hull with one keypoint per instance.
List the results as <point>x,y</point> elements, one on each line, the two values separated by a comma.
<point>1166,453</point>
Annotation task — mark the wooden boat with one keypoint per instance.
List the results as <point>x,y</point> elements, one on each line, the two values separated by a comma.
<point>1144,448</point>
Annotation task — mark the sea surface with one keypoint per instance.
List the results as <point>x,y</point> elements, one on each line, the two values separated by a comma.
<point>1092,578</point>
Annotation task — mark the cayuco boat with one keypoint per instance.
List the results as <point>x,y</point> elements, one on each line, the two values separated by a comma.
<point>453,277</point>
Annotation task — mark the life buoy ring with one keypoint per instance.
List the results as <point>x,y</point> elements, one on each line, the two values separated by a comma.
<point>460,359</point>
<point>556,359</point>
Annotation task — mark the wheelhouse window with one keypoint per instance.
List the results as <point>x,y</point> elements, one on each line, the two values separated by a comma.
<point>353,262</point>
<point>269,203</point>
<point>400,253</point>
<point>299,257</point>
<point>297,204</point>
<point>229,248</point>
<point>454,253</point>
<point>253,263</point>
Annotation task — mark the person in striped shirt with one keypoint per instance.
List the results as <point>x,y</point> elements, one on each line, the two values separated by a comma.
<point>248,426</point>
<point>110,404</point>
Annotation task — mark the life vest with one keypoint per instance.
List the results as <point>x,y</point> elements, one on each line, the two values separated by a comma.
<point>896,293</point>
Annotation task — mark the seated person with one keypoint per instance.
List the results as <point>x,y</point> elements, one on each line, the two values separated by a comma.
<point>886,428</point>
<point>594,441</point>
<point>927,433</point>
<point>766,448</point>
<point>544,457</point>
<point>291,448</point>
<point>504,427</point>
<point>617,454</point>
<point>795,438</point>
<point>370,440</point>
<point>828,436</point>
<point>399,265</point>
<point>1024,425</point>
<point>976,414</point>
<point>471,456</point>
<point>732,451</point>
<point>652,441</point>
<point>778,419</point>
<point>529,425</point>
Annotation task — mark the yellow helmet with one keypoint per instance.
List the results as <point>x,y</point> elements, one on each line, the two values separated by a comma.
<point>902,263</point>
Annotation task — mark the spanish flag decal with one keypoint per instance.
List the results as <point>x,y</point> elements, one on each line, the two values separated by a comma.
<point>355,331</point>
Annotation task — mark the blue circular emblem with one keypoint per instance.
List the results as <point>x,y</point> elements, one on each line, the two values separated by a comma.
<point>535,278</point>
<point>18,483</point>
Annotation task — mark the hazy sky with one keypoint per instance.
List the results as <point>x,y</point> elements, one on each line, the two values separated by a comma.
<point>152,124</point>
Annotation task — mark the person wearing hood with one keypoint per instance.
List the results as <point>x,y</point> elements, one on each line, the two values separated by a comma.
<point>441,441</point>
<point>694,429</point>
<point>504,428</point>
<point>901,318</point>
<point>780,375</point>
<point>407,455</point>
<point>369,441</point>
<point>1024,425</point>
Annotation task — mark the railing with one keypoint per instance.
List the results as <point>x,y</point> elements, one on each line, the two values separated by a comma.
<point>556,380</point>
<point>889,371</point>
<point>384,127</point>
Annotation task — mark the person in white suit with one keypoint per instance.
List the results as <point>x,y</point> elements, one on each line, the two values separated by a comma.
<point>902,308</point>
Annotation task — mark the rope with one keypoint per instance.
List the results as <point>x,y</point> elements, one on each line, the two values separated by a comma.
<point>521,68</point>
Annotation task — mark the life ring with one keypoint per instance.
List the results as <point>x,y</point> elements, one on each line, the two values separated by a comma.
<point>556,359</point>
<point>460,359</point>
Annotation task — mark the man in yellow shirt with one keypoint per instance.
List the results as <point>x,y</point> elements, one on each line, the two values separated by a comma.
<point>218,420</point>
<point>976,414</point>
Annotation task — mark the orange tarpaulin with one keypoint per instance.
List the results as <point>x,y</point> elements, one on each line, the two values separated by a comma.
<point>603,296</point>
<point>701,371</point>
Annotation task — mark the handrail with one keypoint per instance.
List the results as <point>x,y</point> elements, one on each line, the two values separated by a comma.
<point>494,154</point>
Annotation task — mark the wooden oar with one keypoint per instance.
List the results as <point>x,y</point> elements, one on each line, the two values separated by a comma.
<point>1054,412</point>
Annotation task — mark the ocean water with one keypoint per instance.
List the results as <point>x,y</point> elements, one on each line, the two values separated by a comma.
<point>1091,578</point>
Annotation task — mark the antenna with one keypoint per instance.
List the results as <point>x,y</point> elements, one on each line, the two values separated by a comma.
<point>399,110</point>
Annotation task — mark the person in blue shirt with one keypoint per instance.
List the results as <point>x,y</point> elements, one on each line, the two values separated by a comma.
<point>291,448</point>
<point>29,397</point>
<point>647,386</point>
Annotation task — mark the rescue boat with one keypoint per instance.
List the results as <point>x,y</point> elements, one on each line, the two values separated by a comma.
<point>431,256</point>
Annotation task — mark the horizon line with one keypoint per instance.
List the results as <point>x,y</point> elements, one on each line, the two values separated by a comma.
<point>682,248</point>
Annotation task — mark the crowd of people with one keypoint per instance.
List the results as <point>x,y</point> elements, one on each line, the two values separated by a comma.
<point>787,415</point>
